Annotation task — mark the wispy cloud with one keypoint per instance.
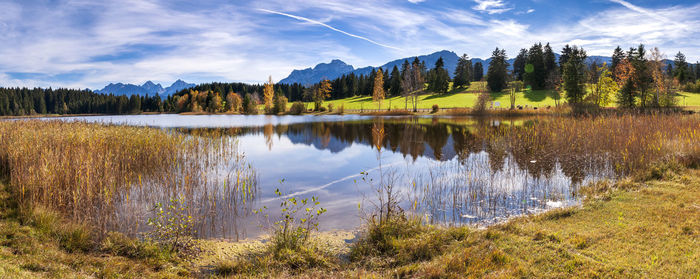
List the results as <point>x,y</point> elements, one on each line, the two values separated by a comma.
<point>329,27</point>
<point>491,6</point>
<point>642,10</point>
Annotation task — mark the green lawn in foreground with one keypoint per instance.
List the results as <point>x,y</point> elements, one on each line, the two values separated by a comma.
<point>467,97</point>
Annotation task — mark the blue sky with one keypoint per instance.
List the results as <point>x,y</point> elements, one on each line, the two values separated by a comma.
<point>85,43</point>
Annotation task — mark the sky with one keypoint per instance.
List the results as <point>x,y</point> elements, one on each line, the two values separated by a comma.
<point>90,43</point>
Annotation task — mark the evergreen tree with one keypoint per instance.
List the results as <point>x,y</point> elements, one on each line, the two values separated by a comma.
<point>439,78</point>
<point>387,80</point>
<point>564,57</point>
<point>669,70</point>
<point>395,82</point>
<point>519,65</point>
<point>535,73</point>
<point>478,71</point>
<point>574,75</point>
<point>463,72</point>
<point>617,57</point>
<point>682,72</point>
<point>550,61</point>
<point>642,73</point>
<point>497,75</point>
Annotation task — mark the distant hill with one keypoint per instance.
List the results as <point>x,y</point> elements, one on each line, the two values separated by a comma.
<point>307,76</point>
<point>148,88</point>
<point>450,58</point>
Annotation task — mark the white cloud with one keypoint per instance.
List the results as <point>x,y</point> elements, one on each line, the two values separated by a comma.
<point>416,1</point>
<point>491,6</point>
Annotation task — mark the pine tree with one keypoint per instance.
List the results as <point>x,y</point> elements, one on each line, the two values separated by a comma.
<point>574,75</point>
<point>564,57</point>
<point>535,73</point>
<point>439,78</point>
<point>463,72</point>
<point>681,73</point>
<point>395,82</point>
<point>519,65</point>
<point>550,61</point>
<point>478,71</point>
<point>617,57</point>
<point>134,104</point>
<point>497,75</point>
<point>642,73</point>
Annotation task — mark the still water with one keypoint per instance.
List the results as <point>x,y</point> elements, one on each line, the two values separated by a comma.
<point>445,170</point>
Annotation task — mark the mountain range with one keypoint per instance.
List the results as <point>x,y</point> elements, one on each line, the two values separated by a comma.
<point>336,68</point>
<point>148,88</point>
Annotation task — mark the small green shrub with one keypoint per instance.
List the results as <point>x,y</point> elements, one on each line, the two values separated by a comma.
<point>436,108</point>
<point>290,245</point>
<point>299,217</point>
<point>341,109</point>
<point>280,104</point>
<point>330,107</point>
<point>173,228</point>
<point>297,108</point>
<point>322,109</point>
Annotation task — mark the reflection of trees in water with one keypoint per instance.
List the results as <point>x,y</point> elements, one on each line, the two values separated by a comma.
<point>444,141</point>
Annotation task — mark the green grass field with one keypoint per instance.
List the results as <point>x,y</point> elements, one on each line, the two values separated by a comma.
<point>467,97</point>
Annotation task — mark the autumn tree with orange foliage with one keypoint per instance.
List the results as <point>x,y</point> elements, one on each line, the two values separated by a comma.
<point>321,92</point>
<point>268,95</point>
<point>623,76</point>
<point>378,90</point>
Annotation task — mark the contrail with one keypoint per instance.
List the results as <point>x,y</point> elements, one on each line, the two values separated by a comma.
<point>329,27</point>
<point>642,10</point>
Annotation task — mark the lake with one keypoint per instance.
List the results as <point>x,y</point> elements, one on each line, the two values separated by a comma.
<point>447,170</point>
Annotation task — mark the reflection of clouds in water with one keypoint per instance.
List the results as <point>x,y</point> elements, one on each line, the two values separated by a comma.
<point>470,191</point>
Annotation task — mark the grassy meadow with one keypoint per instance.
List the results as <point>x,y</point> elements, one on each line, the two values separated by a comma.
<point>466,98</point>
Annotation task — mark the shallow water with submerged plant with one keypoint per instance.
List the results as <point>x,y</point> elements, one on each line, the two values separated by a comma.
<point>448,170</point>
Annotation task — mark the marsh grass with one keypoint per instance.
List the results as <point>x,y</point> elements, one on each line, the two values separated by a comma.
<point>107,177</point>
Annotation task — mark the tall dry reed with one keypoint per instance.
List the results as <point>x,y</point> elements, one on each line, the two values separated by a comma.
<point>109,176</point>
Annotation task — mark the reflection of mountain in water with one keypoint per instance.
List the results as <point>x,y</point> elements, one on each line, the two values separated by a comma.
<point>333,144</point>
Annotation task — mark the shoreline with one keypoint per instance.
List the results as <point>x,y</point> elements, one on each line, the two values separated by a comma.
<point>444,112</point>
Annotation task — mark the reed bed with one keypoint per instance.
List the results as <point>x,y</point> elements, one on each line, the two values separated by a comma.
<point>109,177</point>
<point>628,142</point>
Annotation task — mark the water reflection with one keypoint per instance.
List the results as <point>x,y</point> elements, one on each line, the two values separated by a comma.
<point>453,170</point>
